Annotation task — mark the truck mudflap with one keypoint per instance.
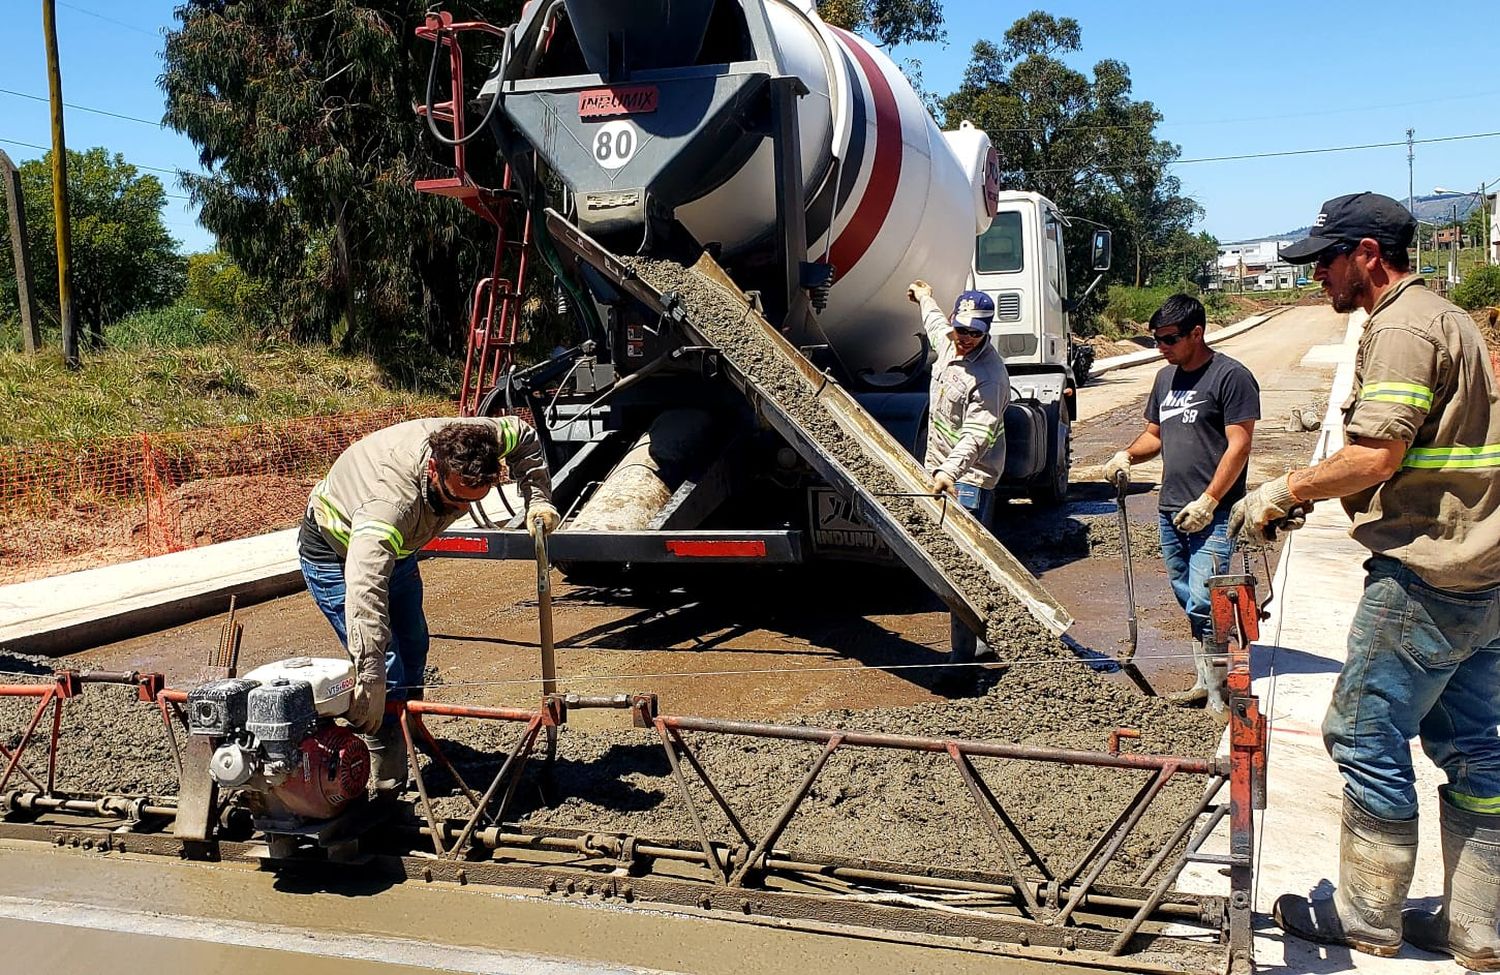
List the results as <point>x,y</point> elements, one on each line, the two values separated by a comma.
<point>976,543</point>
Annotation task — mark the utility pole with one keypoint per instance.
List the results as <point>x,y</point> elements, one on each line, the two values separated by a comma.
<point>1484,208</point>
<point>61,217</point>
<point>31,339</point>
<point>1411,199</point>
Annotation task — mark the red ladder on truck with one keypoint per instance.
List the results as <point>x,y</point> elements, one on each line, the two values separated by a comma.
<point>495,306</point>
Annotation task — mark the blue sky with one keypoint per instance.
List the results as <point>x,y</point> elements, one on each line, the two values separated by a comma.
<point>1261,79</point>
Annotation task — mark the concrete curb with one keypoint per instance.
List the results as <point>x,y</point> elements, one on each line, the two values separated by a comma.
<point>1153,355</point>
<point>64,614</point>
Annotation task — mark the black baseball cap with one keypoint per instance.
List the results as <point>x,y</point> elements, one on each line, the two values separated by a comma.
<point>1352,218</point>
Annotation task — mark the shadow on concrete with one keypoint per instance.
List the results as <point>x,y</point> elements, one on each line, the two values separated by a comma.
<point>1288,660</point>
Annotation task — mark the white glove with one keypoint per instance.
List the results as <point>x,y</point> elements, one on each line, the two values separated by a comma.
<point>943,482</point>
<point>1254,517</point>
<point>1118,469</point>
<point>919,289</point>
<point>544,512</point>
<point>367,709</point>
<point>1197,514</point>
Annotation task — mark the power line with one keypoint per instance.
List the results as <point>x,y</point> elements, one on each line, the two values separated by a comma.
<point>111,20</point>
<point>82,108</point>
<point>154,169</point>
<point>1283,152</point>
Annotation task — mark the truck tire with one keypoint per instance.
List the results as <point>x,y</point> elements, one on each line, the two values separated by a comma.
<point>1051,489</point>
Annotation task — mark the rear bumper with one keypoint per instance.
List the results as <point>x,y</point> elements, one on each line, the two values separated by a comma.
<point>761,547</point>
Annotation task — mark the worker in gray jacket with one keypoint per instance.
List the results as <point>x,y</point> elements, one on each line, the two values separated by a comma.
<point>965,424</point>
<point>386,496</point>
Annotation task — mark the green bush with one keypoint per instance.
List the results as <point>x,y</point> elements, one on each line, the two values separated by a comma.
<point>176,326</point>
<point>1480,288</point>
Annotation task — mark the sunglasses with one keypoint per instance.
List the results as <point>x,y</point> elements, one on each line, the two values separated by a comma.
<point>969,333</point>
<point>1170,340</point>
<point>1326,259</point>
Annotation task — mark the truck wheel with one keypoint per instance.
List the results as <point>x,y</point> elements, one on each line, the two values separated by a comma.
<point>1052,489</point>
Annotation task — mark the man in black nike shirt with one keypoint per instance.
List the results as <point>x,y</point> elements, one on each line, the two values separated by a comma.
<point>1200,417</point>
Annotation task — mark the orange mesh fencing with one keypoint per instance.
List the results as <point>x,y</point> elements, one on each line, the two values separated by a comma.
<point>65,507</point>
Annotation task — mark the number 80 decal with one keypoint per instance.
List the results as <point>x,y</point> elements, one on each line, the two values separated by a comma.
<point>615,143</point>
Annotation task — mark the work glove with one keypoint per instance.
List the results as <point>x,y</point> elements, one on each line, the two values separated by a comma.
<point>943,482</point>
<point>367,709</point>
<point>1196,515</point>
<point>1257,515</point>
<point>544,512</point>
<point>918,290</point>
<point>1117,471</point>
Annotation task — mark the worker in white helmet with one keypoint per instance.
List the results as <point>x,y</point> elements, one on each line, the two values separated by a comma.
<point>965,430</point>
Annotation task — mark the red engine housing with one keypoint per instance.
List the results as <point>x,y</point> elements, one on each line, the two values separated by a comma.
<point>334,769</point>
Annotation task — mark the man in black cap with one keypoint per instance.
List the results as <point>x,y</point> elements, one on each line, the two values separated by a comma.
<point>1419,476</point>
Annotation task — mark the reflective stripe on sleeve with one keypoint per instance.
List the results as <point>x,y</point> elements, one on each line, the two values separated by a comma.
<point>386,532</point>
<point>509,436</point>
<point>337,523</point>
<point>1407,394</point>
<point>984,431</point>
<point>1486,457</point>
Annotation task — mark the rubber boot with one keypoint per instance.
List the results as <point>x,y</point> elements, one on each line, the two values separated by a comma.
<point>388,767</point>
<point>1216,674</point>
<point>1377,858</point>
<point>1464,926</point>
<point>1198,693</point>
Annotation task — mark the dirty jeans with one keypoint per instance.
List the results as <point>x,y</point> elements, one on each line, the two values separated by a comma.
<point>1422,662</point>
<point>406,656</point>
<point>1191,559</point>
<point>964,644</point>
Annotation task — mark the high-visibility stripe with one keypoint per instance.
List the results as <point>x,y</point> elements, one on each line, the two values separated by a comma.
<point>1488,805</point>
<point>385,531</point>
<point>950,434</point>
<point>1483,457</point>
<point>989,433</point>
<point>510,435</point>
<point>1410,394</point>
<point>338,525</point>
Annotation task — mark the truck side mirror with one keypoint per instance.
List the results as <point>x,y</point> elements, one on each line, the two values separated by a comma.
<point>1102,242</point>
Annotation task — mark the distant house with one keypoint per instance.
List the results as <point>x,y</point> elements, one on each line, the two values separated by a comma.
<point>1254,265</point>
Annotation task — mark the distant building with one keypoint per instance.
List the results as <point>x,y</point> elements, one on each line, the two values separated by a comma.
<point>1254,265</point>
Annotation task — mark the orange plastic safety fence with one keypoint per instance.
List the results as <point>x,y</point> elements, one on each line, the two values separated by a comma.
<point>65,507</point>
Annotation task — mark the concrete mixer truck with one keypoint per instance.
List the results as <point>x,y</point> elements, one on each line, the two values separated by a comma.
<point>799,158</point>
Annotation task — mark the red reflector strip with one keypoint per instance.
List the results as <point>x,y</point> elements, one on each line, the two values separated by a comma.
<point>717,549</point>
<point>457,543</point>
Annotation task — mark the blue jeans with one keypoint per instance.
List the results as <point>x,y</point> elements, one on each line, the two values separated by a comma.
<point>1422,661</point>
<point>1191,559</point>
<point>406,656</point>
<point>963,642</point>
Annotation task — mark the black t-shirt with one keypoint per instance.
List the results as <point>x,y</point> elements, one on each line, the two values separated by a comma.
<point>1193,408</point>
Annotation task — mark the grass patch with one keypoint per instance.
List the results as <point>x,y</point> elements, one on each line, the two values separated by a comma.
<point>1129,309</point>
<point>150,387</point>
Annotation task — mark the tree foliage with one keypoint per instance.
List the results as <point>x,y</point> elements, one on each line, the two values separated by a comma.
<point>887,22</point>
<point>1080,139</point>
<point>302,111</point>
<point>124,260</point>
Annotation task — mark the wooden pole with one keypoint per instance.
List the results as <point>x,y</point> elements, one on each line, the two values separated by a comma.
<point>31,339</point>
<point>61,217</point>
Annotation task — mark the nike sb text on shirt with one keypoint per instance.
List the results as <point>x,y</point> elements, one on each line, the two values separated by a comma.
<point>1193,408</point>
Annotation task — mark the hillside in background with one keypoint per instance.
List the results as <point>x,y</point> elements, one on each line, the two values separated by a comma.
<point>1435,208</point>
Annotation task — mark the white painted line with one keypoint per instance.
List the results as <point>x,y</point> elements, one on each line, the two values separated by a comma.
<point>302,941</point>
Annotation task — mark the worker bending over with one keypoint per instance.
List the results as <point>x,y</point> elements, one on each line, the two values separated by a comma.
<point>1419,475</point>
<point>1200,417</point>
<point>385,497</point>
<point>965,433</point>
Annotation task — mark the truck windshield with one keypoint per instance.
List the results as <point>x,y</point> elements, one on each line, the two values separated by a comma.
<point>1000,248</point>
